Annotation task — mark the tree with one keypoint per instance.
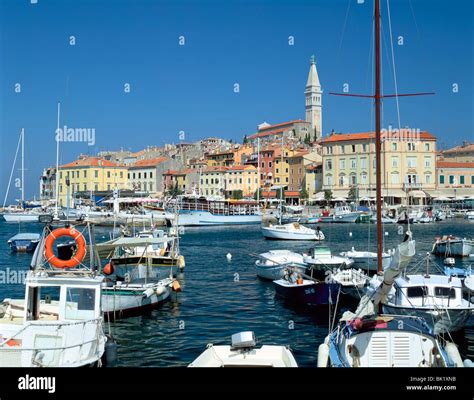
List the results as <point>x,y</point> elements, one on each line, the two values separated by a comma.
<point>246,140</point>
<point>352,193</point>
<point>279,193</point>
<point>304,193</point>
<point>307,139</point>
<point>237,194</point>
<point>315,137</point>
<point>328,195</point>
<point>174,190</point>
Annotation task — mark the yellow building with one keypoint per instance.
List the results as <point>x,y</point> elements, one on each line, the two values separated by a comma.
<point>90,174</point>
<point>225,181</point>
<point>408,165</point>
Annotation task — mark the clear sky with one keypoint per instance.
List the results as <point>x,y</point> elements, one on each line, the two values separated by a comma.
<point>191,87</point>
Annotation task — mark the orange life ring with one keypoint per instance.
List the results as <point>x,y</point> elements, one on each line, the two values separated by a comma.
<point>76,259</point>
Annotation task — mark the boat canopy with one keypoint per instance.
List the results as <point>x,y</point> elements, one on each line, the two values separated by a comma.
<point>26,236</point>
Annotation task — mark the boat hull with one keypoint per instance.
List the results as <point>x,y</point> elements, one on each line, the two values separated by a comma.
<point>23,246</point>
<point>20,217</point>
<point>205,218</point>
<point>457,248</point>
<point>441,320</point>
<point>119,303</point>
<point>307,294</point>
<point>275,272</point>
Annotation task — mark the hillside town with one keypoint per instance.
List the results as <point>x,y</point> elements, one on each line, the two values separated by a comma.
<point>293,157</point>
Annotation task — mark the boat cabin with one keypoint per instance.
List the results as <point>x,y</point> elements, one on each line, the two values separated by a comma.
<point>428,291</point>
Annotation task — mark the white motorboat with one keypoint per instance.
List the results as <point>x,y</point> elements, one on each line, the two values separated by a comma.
<point>436,298</point>
<point>469,215</point>
<point>453,246</point>
<point>244,353</point>
<point>353,281</point>
<point>367,260</point>
<point>59,322</point>
<point>320,257</point>
<point>21,217</point>
<point>345,214</point>
<point>271,265</point>
<point>385,220</point>
<point>292,231</point>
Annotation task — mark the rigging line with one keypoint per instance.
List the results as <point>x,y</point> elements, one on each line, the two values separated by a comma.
<point>344,26</point>
<point>393,64</point>
<point>13,167</point>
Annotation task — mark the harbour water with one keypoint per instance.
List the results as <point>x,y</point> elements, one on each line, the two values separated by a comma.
<point>220,298</point>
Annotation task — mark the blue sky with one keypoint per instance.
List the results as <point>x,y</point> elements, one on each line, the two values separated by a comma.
<point>190,87</point>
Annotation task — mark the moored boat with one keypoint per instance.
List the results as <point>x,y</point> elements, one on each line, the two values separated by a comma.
<point>293,231</point>
<point>24,242</point>
<point>453,246</point>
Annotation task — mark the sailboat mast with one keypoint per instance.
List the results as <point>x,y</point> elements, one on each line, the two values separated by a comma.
<point>23,167</point>
<point>281,175</point>
<point>56,212</point>
<point>258,172</point>
<point>378,143</point>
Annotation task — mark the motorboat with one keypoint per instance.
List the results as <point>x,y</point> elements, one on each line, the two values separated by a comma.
<point>292,231</point>
<point>436,298</point>
<point>469,215</point>
<point>367,260</point>
<point>453,246</point>
<point>345,214</point>
<point>294,288</point>
<point>24,242</point>
<point>243,352</point>
<point>271,264</point>
<point>321,257</point>
<point>385,220</point>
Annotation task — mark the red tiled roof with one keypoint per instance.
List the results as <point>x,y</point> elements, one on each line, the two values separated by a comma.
<point>287,193</point>
<point>460,149</point>
<point>343,137</point>
<point>90,162</point>
<point>148,163</point>
<point>281,124</point>
<point>452,164</point>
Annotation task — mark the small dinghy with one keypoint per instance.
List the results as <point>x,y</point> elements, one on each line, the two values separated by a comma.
<point>293,231</point>
<point>243,352</point>
<point>24,242</point>
<point>271,265</point>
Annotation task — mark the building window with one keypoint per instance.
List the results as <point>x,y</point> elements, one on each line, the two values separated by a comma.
<point>96,173</point>
<point>60,174</point>
<point>461,180</point>
<point>353,180</point>
<point>212,181</point>
<point>286,179</point>
<point>428,178</point>
<point>427,162</point>
<point>394,162</point>
<point>329,180</point>
<point>207,181</point>
<point>394,147</point>
<point>277,171</point>
<point>263,164</point>
<point>343,150</point>
<point>441,179</point>
<point>96,187</point>
<point>353,148</point>
<point>395,178</point>
<point>85,173</point>
<point>144,186</point>
<point>342,163</point>
<point>269,164</point>
<point>134,175</point>
<point>364,148</point>
<point>411,179</point>
<point>128,175</point>
<point>144,175</point>
<point>329,150</point>
<point>451,179</point>
<point>411,162</point>
<point>353,163</point>
<point>108,187</point>
<point>363,163</point>
<point>411,146</point>
<point>329,165</point>
<point>363,179</point>
<point>139,175</point>
<point>151,186</point>
<point>108,174</point>
<point>342,180</point>
<point>427,147</point>
<point>85,187</point>
<point>240,180</point>
<point>286,170</point>
<point>472,179</point>
<point>151,176</point>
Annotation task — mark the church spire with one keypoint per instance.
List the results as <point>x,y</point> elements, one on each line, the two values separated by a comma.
<point>314,100</point>
<point>313,78</point>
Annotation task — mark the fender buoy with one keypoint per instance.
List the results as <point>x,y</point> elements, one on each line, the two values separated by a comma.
<point>109,268</point>
<point>76,259</point>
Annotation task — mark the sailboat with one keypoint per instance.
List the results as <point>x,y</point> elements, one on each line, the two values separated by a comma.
<point>368,338</point>
<point>19,214</point>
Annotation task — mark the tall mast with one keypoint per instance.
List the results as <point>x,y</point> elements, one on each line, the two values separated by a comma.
<point>23,167</point>
<point>378,143</point>
<point>258,171</point>
<point>56,212</point>
<point>281,175</point>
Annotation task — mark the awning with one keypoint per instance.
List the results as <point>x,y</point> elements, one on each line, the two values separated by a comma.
<point>417,193</point>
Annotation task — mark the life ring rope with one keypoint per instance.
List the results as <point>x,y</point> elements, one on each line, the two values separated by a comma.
<point>76,259</point>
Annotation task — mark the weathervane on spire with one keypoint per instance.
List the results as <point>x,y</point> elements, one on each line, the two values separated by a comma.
<point>313,59</point>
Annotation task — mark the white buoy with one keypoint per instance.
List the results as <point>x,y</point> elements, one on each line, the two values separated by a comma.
<point>350,234</point>
<point>229,257</point>
<point>386,233</point>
